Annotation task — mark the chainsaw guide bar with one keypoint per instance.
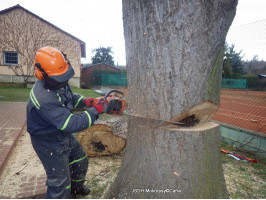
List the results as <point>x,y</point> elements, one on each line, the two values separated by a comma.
<point>117,106</point>
<point>163,122</point>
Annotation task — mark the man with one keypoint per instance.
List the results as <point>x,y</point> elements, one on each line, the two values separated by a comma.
<point>50,122</point>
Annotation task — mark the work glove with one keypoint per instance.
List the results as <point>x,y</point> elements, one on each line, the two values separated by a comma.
<point>101,106</point>
<point>89,101</point>
<point>93,113</point>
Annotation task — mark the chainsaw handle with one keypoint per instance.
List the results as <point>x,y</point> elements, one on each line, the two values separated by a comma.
<point>111,91</point>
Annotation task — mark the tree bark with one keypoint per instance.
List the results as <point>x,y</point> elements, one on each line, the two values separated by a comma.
<point>174,56</point>
<point>170,163</point>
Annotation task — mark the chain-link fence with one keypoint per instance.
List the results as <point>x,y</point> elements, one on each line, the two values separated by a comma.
<point>243,99</point>
<point>245,109</point>
<point>250,39</point>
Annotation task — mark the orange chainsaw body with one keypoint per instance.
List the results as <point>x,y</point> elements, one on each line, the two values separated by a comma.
<point>120,105</point>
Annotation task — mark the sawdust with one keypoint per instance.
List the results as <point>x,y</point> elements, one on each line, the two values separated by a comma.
<point>24,163</point>
<point>242,180</point>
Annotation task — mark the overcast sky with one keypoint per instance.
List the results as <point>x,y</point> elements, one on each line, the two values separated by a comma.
<point>248,31</point>
<point>99,22</point>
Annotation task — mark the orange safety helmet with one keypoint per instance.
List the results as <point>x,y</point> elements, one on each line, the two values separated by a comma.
<point>50,61</point>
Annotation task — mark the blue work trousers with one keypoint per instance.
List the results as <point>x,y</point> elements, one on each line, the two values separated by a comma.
<point>64,161</point>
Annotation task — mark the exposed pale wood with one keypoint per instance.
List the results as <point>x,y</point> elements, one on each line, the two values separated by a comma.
<point>197,128</point>
<point>201,112</point>
<point>100,141</point>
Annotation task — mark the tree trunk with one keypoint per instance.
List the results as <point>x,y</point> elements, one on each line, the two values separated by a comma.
<point>174,56</point>
<point>169,163</point>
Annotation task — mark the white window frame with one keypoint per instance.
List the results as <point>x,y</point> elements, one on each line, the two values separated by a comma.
<point>9,63</point>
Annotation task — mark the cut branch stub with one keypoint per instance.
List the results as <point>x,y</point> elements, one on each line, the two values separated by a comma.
<point>100,141</point>
<point>197,115</point>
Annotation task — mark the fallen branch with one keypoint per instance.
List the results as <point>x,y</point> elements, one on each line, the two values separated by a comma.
<point>18,172</point>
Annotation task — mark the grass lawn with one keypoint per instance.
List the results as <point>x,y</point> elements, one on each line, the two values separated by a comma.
<point>244,180</point>
<point>18,93</point>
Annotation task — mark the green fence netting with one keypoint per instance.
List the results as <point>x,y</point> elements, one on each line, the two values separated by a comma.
<point>103,78</point>
<point>114,79</point>
<point>234,83</point>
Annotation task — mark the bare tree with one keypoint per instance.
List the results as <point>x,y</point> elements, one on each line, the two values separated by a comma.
<point>25,33</point>
<point>174,56</point>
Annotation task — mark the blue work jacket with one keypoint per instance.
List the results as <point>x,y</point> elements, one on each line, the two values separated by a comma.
<point>51,111</point>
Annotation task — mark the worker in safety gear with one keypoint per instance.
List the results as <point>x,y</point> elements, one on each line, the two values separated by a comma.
<point>51,122</point>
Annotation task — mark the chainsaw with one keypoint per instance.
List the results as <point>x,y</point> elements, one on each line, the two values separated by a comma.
<point>117,106</point>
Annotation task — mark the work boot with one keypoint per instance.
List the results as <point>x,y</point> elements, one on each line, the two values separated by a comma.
<point>80,190</point>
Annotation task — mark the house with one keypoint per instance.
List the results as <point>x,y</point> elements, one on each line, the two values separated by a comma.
<point>122,67</point>
<point>91,73</point>
<point>262,82</point>
<point>261,76</point>
<point>22,34</point>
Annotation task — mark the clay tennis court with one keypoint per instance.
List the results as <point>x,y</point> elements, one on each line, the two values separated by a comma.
<point>244,109</point>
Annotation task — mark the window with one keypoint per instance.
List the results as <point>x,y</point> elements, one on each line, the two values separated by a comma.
<point>10,58</point>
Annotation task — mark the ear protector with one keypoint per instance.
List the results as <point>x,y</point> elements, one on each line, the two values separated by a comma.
<point>39,72</point>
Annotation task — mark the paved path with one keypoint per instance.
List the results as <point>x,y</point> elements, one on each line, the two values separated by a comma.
<point>12,120</point>
<point>12,131</point>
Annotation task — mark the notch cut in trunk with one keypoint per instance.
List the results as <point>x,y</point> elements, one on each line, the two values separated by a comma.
<point>198,114</point>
